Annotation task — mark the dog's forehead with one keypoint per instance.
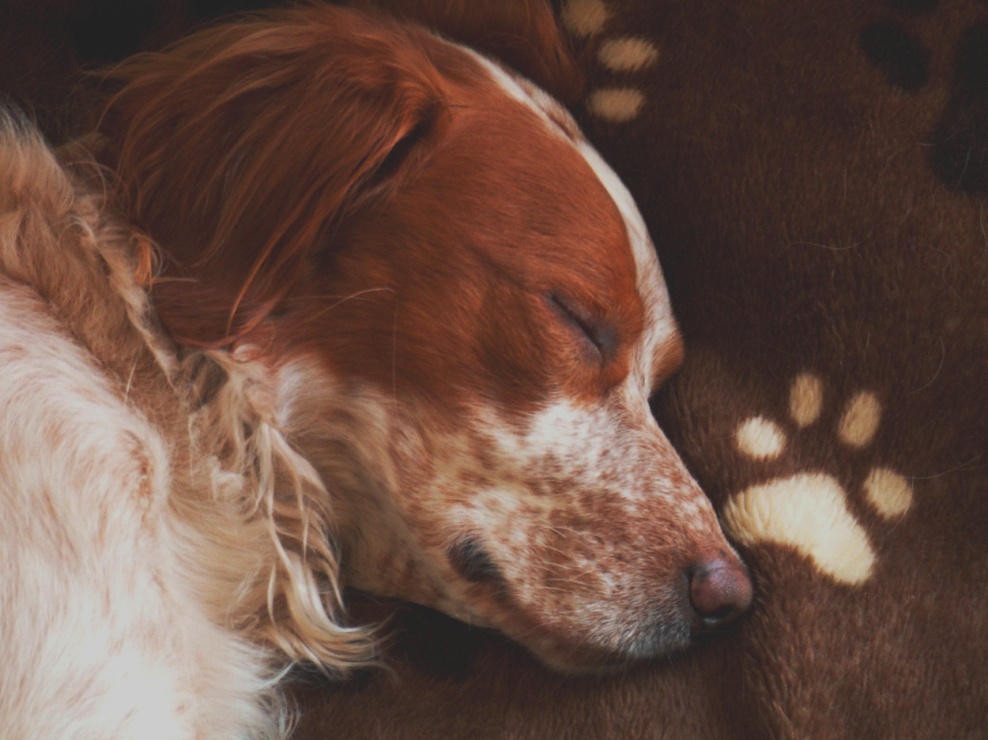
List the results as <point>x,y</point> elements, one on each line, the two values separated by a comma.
<point>660,344</point>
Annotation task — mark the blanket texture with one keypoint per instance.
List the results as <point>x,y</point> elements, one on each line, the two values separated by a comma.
<point>815,178</point>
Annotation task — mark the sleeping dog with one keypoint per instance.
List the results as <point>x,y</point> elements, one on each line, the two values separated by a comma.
<point>329,300</point>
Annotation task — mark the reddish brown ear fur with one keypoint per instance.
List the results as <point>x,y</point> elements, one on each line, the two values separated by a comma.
<point>240,146</point>
<point>524,34</point>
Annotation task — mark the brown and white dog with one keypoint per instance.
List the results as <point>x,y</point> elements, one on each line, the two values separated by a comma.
<point>343,303</point>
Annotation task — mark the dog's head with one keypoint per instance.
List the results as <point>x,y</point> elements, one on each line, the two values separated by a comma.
<point>462,310</point>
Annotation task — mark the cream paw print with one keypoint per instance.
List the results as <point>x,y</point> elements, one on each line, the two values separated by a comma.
<point>809,511</point>
<point>621,55</point>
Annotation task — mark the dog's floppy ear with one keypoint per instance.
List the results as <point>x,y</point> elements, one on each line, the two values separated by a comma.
<point>523,34</point>
<point>238,148</point>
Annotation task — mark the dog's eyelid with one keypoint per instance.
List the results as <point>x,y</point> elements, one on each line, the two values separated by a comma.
<point>601,336</point>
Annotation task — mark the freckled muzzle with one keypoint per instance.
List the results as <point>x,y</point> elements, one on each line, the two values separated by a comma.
<point>706,598</point>
<point>589,544</point>
<point>592,556</point>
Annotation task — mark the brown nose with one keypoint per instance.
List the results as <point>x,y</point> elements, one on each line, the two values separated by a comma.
<point>720,592</point>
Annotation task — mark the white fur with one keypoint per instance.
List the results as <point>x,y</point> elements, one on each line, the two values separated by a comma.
<point>135,567</point>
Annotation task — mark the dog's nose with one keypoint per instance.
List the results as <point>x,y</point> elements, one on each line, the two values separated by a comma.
<point>720,591</point>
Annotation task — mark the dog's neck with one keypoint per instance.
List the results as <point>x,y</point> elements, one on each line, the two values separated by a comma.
<point>354,435</point>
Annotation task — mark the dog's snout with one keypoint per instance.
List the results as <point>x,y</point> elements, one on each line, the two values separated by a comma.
<point>720,592</point>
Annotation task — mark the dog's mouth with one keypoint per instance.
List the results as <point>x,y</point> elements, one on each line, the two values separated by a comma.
<point>473,564</point>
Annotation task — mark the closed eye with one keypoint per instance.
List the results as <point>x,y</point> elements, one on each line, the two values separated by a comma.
<point>602,338</point>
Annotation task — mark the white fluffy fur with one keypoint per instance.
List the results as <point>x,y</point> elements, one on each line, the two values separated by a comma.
<point>158,535</point>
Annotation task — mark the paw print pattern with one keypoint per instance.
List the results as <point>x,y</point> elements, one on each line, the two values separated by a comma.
<point>958,147</point>
<point>809,511</point>
<point>621,55</point>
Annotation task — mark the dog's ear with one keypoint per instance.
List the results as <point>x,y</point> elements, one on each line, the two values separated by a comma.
<point>239,148</point>
<point>523,34</point>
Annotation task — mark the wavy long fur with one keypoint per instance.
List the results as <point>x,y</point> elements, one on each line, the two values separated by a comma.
<point>242,523</point>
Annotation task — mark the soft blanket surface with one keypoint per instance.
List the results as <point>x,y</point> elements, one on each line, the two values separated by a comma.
<point>815,178</point>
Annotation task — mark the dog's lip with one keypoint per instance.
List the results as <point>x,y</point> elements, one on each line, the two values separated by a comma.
<point>582,660</point>
<point>473,563</point>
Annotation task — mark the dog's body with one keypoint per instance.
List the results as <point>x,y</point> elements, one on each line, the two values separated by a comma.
<point>107,625</point>
<point>404,318</point>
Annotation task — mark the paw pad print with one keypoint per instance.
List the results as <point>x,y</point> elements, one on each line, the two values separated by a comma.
<point>809,510</point>
<point>621,55</point>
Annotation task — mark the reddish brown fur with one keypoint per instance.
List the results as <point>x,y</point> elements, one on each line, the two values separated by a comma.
<point>248,133</point>
<point>668,358</point>
<point>498,332</point>
<point>522,33</point>
<point>426,263</point>
<point>299,220</point>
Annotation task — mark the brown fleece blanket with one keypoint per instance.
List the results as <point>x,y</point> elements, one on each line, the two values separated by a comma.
<point>815,177</point>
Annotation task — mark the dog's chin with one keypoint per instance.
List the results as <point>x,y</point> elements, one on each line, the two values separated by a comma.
<point>565,653</point>
<point>579,660</point>
<point>586,653</point>
<point>567,644</point>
